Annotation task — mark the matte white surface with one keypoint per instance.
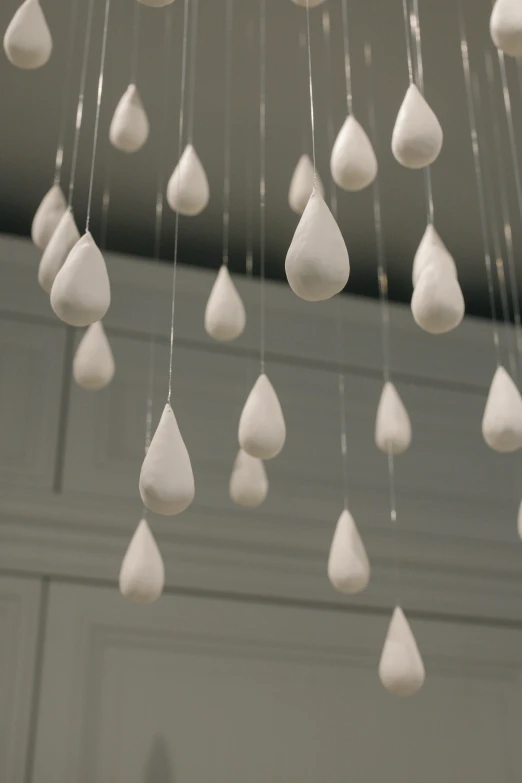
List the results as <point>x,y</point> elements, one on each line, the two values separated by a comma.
<point>93,365</point>
<point>187,189</point>
<point>437,303</point>
<point>348,564</point>
<point>401,669</point>
<point>225,316</point>
<point>60,245</point>
<point>262,429</point>
<point>392,424</point>
<point>142,573</point>
<point>302,184</point>
<point>248,482</point>
<point>317,265</point>
<point>502,422</point>
<point>432,251</point>
<point>353,163</point>
<point>47,216</point>
<point>129,129</point>
<point>417,135</point>
<point>506,26</point>
<point>27,41</point>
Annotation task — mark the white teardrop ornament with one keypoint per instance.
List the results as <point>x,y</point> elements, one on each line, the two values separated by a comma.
<point>262,429</point>
<point>47,216</point>
<point>417,135</point>
<point>353,163</point>
<point>81,292</point>
<point>248,483</point>
<point>156,3</point>
<point>401,669</point>
<point>93,365</point>
<point>166,478</point>
<point>27,40</point>
<point>129,128</point>
<point>302,185</point>
<point>317,264</point>
<point>432,250</point>
<point>142,573</point>
<point>55,254</point>
<point>225,316</point>
<point>437,303</point>
<point>502,420</point>
<point>506,27</point>
<point>187,190</point>
<point>348,564</point>
<point>392,425</point>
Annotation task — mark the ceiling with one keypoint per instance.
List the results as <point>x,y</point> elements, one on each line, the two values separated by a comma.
<point>32,100</point>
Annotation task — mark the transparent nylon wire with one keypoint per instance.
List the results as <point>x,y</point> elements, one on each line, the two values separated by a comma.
<point>66,92</point>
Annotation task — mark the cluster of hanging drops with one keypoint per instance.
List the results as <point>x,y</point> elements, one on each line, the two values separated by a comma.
<point>72,271</point>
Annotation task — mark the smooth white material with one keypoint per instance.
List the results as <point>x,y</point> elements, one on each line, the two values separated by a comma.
<point>55,254</point>
<point>506,26</point>
<point>129,128</point>
<point>502,421</point>
<point>27,40</point>
<point>317,264</point>
<point>348,564</point>
<point>93,365</point>
<point>47,216</point>
<point>401,669</point>
<point>262,429</point>
<point>142,573</point>
<point>302,184</point>
<point>156,3</point>
<point>417,135</point>
<point>81,293</point>
<point>353,163</point>
<point>432,250</point>
<point>187,190</point>
<point>166,479</point>
<point>392,425</point>
<point>225,316</point>
<point>437,303</point>
<point>248,483</point>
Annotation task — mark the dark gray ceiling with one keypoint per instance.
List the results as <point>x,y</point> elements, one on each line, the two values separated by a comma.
<point>31,108</point>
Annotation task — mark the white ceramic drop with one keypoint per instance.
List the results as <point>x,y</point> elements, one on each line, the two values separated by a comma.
<point>55,254</point>
<point>142,573</point>
<point>187,190</point>
<point>437,303</point>
<point>302,185</point>
<point>81,292</point>
<point>93,365</point>
<point>225,316</point>
<point>502,421</point>
<point>27,41</point>
<point>262,429</point>
<point>248,483</point>
<point>129,128</point>
<point>432,250</point>
<point>401,669</point>
<point>417,135</point>
<point>156,3</point>
<point>47,216</point>
<point>392,425</point>
<point>348,564</point>
<point>353,163</point>
<point>317,264</point>
<point>166,479</point>
<point>506,26</point>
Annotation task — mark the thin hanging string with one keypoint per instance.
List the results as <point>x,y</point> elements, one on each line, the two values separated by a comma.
<point>193,66</point>
<point>98,106</point>
<point>249,175</point>
<point>518,184</point>
<point>262,173</point>
<point>135,49</point>
<point>158,224</point>
<point>180,146</point>
<point>150,398</point>
<point>303,87</point>
<point>382,278</point>
<point>341,378</point>
<point>464,49</point>
<point>81,97</point>
<point>312,117</point>
<point>330,128</point>
<point>347,63</point>
<point>419,77</point>
<point>106,201</point>
<point>406,16</point>
<point>228,109</point>
<point>499,260</point>
<point>66,90</point>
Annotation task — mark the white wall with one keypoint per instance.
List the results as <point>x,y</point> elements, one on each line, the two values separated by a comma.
<point>250,667</point>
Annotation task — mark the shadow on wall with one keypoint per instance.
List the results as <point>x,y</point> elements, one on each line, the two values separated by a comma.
<point>159,767</point>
